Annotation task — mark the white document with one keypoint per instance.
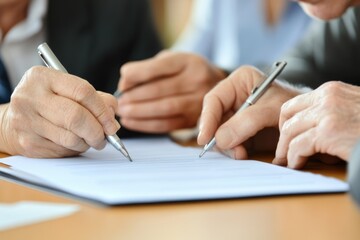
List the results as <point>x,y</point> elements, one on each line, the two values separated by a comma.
<point>163,171</point>
<point>23,213</point>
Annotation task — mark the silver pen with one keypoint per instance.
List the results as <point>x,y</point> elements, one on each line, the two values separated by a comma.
<point>51,61</point>
<point>256,93</point>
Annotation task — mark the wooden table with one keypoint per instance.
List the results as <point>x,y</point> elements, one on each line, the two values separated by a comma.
<point>322,216</point>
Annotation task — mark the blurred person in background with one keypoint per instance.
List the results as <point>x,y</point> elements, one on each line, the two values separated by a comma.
<point>165,93</point>
<point>232,33</point>
<point>46,113</point>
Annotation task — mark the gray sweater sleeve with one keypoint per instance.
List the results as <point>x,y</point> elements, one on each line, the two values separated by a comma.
<point>354,173</point>
<point>329,51</point>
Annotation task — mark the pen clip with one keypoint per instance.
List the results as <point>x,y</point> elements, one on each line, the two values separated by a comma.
<point>255,88</point>
<point>44,59</point>
<point>279,66</point>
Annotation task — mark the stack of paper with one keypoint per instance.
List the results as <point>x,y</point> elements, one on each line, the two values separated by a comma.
<point>163,171</point>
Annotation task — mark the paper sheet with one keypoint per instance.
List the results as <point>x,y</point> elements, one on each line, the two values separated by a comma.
<point>163,171</point>
<point>27,212</point>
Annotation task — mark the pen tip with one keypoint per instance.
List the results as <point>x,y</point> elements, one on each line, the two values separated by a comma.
<point>130,159</point>
<point>202,153</point>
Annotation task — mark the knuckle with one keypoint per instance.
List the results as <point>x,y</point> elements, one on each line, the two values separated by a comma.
<point>96,137</point>
<point>83,91</point>
<point>285,107</point>
<point>70,140</point>
<point>328,102</point>
<point>331,88</point>
<point>26,145</point>
<point>286,128</point>
<point>126,69</point>
<point>293,145</point>
<point>329,124</point>
<point>33,74</point>
<point>332,85</point>
<point>73,117</point>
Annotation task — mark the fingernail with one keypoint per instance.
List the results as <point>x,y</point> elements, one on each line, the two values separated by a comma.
<point>117,124</point>
<point>111,126</point>
<point>199,135</point>
<point>229,153</point>
<point>275,161</point>
<point>279,161</point>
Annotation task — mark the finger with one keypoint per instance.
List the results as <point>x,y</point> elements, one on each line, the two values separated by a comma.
<point>210,118</point>
<point>238,152</point>
<point>109,101</point>
<point>154,125</point>
<point>158,108</point>
<point>244,125</point>
<point>82,92</point>
<point>60,136</point>
<point>215,105</point>
<point>136,73</point>
<point>73,117</point>
<point>299,123</point>
<point>301,148</point>
<point>295,105</point>
<point>156,89</point>
<point>35,146</point>
<point>227,95</point>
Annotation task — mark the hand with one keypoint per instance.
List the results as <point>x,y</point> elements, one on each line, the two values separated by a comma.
<point>168,92</point>
<point>227,97</point>
<point>325,120</point>
<point>53,114</point>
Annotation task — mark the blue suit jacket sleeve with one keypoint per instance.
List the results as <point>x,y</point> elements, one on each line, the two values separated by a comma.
<point>354,173</point>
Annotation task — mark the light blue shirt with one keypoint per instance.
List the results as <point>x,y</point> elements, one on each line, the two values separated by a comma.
<point>231,33</point>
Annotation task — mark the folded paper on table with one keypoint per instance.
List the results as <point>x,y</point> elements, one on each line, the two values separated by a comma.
<point>27,212</point>
<point>163,171</point>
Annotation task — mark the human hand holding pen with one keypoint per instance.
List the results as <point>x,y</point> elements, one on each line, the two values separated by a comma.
<point>232,130</point>
<point>51,61</point>
<point>52,114</point>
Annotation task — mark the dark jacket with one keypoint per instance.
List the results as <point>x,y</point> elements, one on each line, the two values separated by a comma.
<point>330,51</point>
<point>93,38</point>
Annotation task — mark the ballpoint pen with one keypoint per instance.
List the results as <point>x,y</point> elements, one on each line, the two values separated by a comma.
<point>256,93</point>
<point>51,61</point>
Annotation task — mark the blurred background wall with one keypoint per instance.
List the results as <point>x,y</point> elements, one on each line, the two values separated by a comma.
<point>171,17</point>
